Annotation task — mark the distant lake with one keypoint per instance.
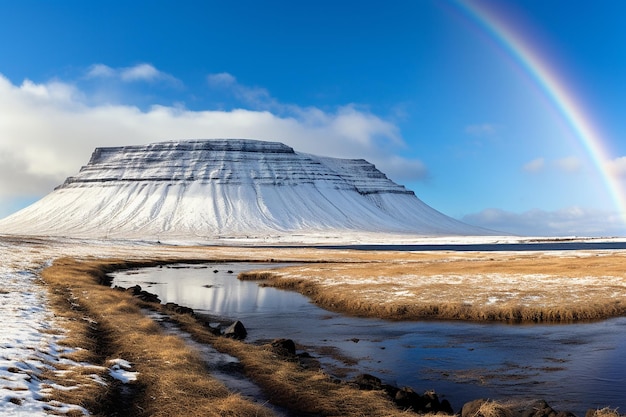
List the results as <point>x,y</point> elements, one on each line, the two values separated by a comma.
<point>573,367</point>
<point>486,247</point>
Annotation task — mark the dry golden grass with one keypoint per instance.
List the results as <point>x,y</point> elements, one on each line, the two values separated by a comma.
<point>108,324</point>
<point>476,286</point>
<point>604,412</point>
<point>493,409</point>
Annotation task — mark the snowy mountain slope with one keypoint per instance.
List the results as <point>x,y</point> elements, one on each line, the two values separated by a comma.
<point>206,189</point>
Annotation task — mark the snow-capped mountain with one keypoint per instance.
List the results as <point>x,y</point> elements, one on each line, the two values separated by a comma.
<point>207,189</point>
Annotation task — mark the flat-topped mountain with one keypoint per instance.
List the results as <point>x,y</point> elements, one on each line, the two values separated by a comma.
<point>208,189</point>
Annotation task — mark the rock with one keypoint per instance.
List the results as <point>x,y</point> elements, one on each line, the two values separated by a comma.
<point>134,290</point>
<point>146,296</point>
<point>409,399</point>
<point>236,331</point>
<point>405,398</point>
<point>431,402</point>
<point>539,409</point>
<point>471,408</point>
<point>284,347</point>
<point>391,390</point>
<point>446,407</point>
<point>367,382</point>
<point>177,308</point>
<point>149,297</point>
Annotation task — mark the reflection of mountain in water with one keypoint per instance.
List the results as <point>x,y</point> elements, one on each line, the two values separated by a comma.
<point>203,189</point>
<point>219,293</point>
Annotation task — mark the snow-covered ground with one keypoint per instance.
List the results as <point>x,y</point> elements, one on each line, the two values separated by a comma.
<point>29,339</point>
<point>29,334</point>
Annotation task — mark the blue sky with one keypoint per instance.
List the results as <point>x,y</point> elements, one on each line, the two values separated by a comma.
<point>420,88</point>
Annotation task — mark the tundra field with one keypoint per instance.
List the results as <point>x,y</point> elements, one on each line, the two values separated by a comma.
<point>70,344</point>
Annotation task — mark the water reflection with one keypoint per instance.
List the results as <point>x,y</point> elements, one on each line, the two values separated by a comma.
<point>573,367</point>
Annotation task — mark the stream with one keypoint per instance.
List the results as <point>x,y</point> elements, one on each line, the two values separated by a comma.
<point>573,366</point>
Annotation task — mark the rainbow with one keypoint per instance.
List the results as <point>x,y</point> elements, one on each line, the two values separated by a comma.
<point>555,90</point>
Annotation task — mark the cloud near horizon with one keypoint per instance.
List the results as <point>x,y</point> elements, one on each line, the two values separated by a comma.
<point>50,129</point>
<point>567,165</point>
<point>570,221</point>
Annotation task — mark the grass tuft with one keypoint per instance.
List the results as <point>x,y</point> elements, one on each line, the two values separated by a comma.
<point>604,412</point>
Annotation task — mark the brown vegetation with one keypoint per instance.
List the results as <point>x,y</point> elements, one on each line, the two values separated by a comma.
<point>535,408</point>
<point>107,324</point>
<point>604,412</point>
<point>290,385</point>
<point>478,286</point>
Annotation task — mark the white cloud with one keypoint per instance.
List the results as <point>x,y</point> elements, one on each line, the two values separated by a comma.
<point>564,222</point>
<point>140,72</point>
<point>617,166</point>
<point>100,71</point>
<point>481,129</point>
<point>570,164</point>
<point>257,97</point>
<point>534,166</point>
<point>49,131</point>
<point>222,79</point>
<point>20,178</point>
<point>567,165</point>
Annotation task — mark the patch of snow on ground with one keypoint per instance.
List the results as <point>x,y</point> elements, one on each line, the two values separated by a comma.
<point>120,370</point>
<point>28,340</point>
